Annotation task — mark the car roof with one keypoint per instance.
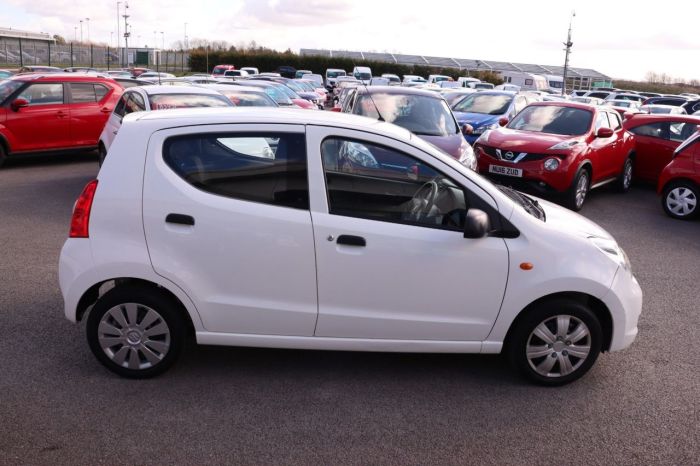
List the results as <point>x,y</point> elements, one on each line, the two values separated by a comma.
<point>639,119</point>
<point>229,88</point>
<point>154,90</point>
<point>398,91</point>
<point>566,103</point>
<point>62,76</point>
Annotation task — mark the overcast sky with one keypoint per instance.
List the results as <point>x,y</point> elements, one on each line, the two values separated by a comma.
<point>623,39</point>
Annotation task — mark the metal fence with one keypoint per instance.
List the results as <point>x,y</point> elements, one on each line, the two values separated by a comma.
<point>15,53</point>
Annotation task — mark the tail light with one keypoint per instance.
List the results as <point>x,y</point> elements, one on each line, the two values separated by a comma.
<point>80,223</point>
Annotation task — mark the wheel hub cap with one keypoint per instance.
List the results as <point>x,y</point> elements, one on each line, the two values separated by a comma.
<point>558,346</point>
<point>681,201</point>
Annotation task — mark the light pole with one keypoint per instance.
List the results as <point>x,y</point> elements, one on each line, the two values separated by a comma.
<point>568,45</point>
<point>111,38</point>
<point>118,54</point>
<point>185,43</point>
<point>162,36</point>
<point>75,33</point>
<point>87,20</point>
<point>126,33</point>
<point>81,31</point>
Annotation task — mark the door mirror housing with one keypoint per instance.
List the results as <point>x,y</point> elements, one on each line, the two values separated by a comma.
<point>605,133</point>
<point>467,130</point>
<point>503,121</point>
<point>18,103</point>
<point>476,224</point>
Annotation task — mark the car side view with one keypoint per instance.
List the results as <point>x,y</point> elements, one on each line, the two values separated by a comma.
<point>315,230</point>
<point>679,182</point>
<point>560,149</point>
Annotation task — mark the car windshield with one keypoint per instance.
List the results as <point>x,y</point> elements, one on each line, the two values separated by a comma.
<point>454,97</point>
<point>276,93</point>
<point>422,115</point>
<point>168,101</point>
<point>249,99</point>
<point>488,104</point>
<point>7,88</point>
<point>553,119</point>
<point>218,70</point>
<point>335,74</point>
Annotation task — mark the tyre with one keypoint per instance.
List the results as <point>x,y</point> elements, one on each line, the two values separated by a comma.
<point>555,343</point>
<point>101,153</point>
<point>624,181</point>
<point>578,191</point>
<point>3,155</point>
<point>680,200</point>
<point>136,332</point>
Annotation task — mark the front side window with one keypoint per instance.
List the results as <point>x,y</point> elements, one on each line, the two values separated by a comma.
<point>7,88</point>
<point>375,182</point>
<point>120,108</point>
<point>615,123</point>
<point>43,94</point>
<point>601,121</point>
<point>269,168</point>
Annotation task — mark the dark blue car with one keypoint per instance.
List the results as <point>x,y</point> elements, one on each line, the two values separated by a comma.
<point>482,110</point>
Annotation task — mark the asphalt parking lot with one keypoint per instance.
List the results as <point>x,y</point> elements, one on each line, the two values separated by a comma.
<point>254,406</point>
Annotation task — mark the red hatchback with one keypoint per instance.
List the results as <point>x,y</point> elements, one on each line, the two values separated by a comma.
<point>679,183</point>
<point>656,138</point>
<point>54,112</point>
<point>559,148</point>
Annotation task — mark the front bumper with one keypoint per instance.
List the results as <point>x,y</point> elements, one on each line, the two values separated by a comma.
<point>624,301</point>
<point>534,177</point>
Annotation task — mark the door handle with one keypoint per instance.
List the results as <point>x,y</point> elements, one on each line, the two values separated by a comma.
<point>105,110</point>
<point>350,240</point>
<point>61,114</point>
<point>180,219</point>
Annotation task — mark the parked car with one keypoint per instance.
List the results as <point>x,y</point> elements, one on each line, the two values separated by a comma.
<point>362,74</point>
<point>235,74</point>
<point>331,75</point>
<point>55,112</point>
<point>482,86</point>
<point>343,84</point>
<point>154,76</point>
<point>662,109</point>
<point>483,110</point>
<point>148,98</point>
<point>465,81</point>
<point>449,85</point>
<point>656,137</point>
<point>317,78</point>
<point>39,69</point>
<point>376,210</point>
<point>287,71</point>
<point>410,80</point>
<point>378,82</point>
<point>282,95</point>
<point>199,79</point>
<point>580,93</point>
<point>691,106</point>
<point>251,70</point>
<point>561,149</point>
<point>300,73</point>
<point>242,96</point>
<point>678,101</point>
<point>623,107</point>
<point>394,79</point>
<point>424,113</point>
<point>679,183</point>
<point>219,70</point>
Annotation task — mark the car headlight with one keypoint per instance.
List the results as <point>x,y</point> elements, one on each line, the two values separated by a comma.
<point>564,145</point>
<point>551,164</point>
<point>484,128</point>
<point>468,159</point>
<point>611,249</point>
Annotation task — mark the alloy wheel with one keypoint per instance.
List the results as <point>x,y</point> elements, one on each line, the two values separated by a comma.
<point>558,346</point>
<point>627,177</point>
<point>581,189</point>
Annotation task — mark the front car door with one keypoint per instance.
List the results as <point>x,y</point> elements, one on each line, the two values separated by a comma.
<point>226,218</point>
<point>42,125</point>
<point>392,262</point>
<point>602,149</point>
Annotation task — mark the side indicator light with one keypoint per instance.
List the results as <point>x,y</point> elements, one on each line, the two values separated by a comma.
<point>527,266</point>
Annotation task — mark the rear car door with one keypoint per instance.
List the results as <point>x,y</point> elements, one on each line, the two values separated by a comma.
<point>89,111</point>
<point>226,217</point>
<point>45,123</point>
<point>654,147</point>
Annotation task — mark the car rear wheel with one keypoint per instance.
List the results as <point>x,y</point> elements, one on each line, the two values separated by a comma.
<point>135,332</point>
<point>578,192</point>
<point>556,343</point>
<point>624,181</point>
<point>680,200</point>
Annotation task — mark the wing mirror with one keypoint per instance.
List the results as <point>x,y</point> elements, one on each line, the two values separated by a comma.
<point>476,224</point>
<point>467,130</point>
<point>605,133</point>
<point>18,103</point>
<point>503,121</point>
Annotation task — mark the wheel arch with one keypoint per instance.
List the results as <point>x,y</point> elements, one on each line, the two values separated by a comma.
<point>597,306</point>
<point>679,179</point>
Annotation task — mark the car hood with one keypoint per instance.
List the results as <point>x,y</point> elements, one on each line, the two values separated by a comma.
<point>524,141</point>
<point>453,144</point>
<point>476,119</point>
<point>562,219</point>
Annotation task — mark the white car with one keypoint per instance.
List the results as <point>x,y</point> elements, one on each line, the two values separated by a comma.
<point>333,232</point>
<point>153,77</point>
<point>332,75</point>
<point>251,70</point>
<point>147,98</point>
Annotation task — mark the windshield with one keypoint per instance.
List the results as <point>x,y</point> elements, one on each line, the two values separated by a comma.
<point>423,116</point>
<point>7,88</point>
<point>335,74</point>
<point>249,99</point>
<point>488,104</point>
<point>363,76</point>
<point>168,101</point>
<point>277,95</point>
<point>556,84</point>
<point>553,119</point>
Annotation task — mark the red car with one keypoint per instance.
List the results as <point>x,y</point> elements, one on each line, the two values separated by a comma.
<point>679,183</point>
<point>219,70</point>
<point>54,112</point>
<point>656,138</point>
<point>559,148</point>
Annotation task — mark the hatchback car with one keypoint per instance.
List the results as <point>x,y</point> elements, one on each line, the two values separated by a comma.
<point>679,183</point>
<point>350,234</point>
<point>424,113</point>
<point>56,112</point>
<point>656,138</point>
<point>563,149</point>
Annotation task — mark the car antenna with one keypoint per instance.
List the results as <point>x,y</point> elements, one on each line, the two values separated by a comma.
<point>381,118</point>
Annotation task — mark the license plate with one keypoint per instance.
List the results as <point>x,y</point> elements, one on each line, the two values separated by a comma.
<point>507,171</point>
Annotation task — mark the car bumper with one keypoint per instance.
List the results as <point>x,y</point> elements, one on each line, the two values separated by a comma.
<point>76,257</point>
<point>534,177</point>
<point>624,301</point>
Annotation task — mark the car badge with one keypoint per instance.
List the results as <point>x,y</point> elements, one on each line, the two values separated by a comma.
<point>509,155</point>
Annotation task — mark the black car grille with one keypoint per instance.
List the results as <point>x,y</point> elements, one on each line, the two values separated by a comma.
<point>494,152</point>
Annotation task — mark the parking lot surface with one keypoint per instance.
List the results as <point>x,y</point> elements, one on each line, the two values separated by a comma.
<point>255,406</point>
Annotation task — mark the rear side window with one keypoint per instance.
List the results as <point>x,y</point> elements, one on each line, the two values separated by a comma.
<point>654,130</point>
<point>269,168</point>
<point>87,92</point>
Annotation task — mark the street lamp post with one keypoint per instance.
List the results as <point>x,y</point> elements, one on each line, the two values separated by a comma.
<point>568,45</point>
<point>118,31</point>
<point>87,20</point>
<point>162,36</point>
<point>184,45</point>
<point>81,31</point>
<point>75,33</point>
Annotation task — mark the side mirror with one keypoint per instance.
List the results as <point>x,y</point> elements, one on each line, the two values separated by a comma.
<point>18,103</point>
<point>605,133</point>
<point>503,121</point>
<point>467,130</point>
<point>336,109</point>
<point>477,224</point>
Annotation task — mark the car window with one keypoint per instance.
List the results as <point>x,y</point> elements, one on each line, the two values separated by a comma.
<point>87,92</point>
<point>371,181</point>
<point>679,132</point>
<point>261,167</point>
<point>553,119</point>
<point>134,104</point>
<point>43,94</point>
<point>120,108</point>
<point>520,103</point>
<point>615,123</point>
<point>601,121</point>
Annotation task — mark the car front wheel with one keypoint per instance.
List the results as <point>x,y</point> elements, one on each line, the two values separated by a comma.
<point>578,192</point>
<point>135,332</point>
<point>556,343</point>
<point>680,200</point>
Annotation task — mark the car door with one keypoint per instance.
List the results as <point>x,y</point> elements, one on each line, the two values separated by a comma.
<point>390,266</point>
<point>226,218</point>
<point>44,124</point>
<point>654,149</point>
<point>89,111</point>
<point>602,150</point>
<point>618,151</point>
